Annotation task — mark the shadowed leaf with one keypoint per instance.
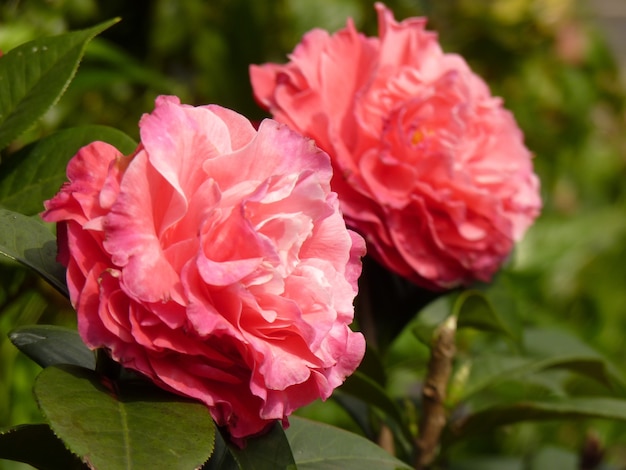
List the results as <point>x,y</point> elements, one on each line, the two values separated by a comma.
<point>49,345</point>
<point>30,242</point>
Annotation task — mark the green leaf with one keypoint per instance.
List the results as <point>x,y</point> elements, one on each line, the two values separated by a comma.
<point>34,75</point>
<point>429,319</point>
<point>318,446</point>
<point>546,342</point>
<point>268,452</point>
<point>30,242</point>
<point>489,370</point>
<point>474,310</point>
<point>49,345</point>
<point>123,425</point>
<point>471,308</point>
<point>36,172</point>
<point>564,408</point>
<point>361,386</point>
<point>36,445</point>
<point>221,458</point>
<point>372,365</point>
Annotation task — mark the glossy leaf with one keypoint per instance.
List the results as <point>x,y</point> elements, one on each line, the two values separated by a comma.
<point>34,75</point>
<point>30,242</point>
<point>318,446</point>
<point>565,408</point>
<point>36,172</point>
<point>49,345</point>
<point>36,445</point>
<point>126,424</point>
<point>268,452</point>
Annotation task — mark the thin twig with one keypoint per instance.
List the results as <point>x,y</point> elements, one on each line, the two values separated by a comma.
<point>433,417</point>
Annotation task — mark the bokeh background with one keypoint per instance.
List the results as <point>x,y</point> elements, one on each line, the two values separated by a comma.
<point>549,60</point>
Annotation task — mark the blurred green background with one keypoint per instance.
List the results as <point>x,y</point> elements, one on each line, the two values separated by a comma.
<point>547,58</point>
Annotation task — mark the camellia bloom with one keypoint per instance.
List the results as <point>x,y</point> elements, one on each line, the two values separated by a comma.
<point>428,165</point>
<point>215,261</point>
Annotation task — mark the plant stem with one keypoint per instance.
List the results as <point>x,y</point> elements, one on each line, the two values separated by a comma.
<point>433,417</point>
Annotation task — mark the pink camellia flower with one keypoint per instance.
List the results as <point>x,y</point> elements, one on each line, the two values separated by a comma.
<point>215,261</point>
<point>428,165</point>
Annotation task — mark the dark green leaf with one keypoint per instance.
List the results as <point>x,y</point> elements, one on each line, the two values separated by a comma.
<point>36,445</point>
<point>126,424</point>
<point>36,172</point>
<point>30,242</point>
<point>318,446</point>
<point>361,386</point>
<point>222,458</point>
<point>268,452</point>
<point>359,411</point>
<point>34,75</point>
<point>564,408</point>
<point>49,345</point>
<point>372,366</point>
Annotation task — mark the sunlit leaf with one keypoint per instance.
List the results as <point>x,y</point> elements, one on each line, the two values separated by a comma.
<point>318,446</point>
<point>30,242</point>
<point>126,424</point>
<point>36,445</point>
<point>34,75</point>
<point>50,345</point>
<point>36,172</point>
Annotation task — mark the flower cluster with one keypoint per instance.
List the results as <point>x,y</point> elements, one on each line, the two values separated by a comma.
<point>215,259</point>
<point>428,166</point>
